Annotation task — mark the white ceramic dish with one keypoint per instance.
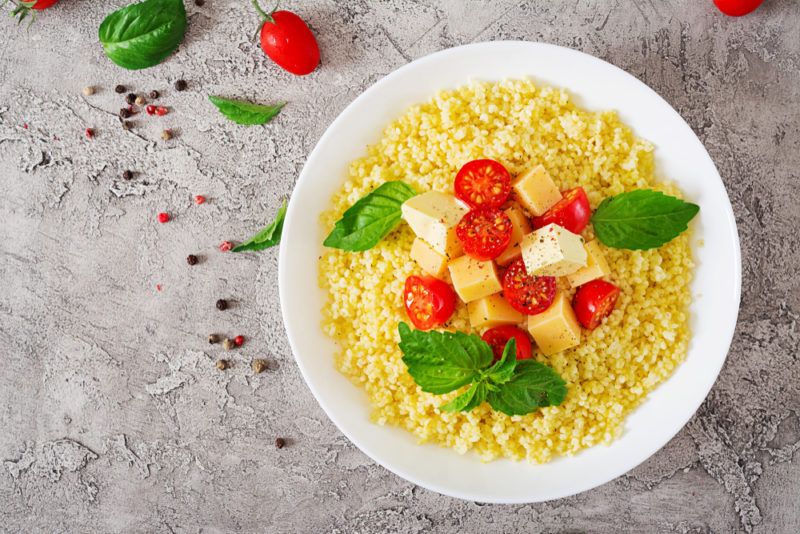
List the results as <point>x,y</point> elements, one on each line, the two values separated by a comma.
<point>596,85</point>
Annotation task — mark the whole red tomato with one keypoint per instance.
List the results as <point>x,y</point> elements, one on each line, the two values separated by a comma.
<point>737,8</point>
<point>23,8</point>
<point>43,4</point>
<point>286,39</point>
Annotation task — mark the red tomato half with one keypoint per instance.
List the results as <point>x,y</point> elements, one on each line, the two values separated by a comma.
<point>287,40</point>
<point>483,182</point>
<point>484,233</point>
<point>594,301</point>
<point>429,301</point>
<point>737,8</point>
<point>526,293</point>
<point>498,336</point>
<point>571,212</point>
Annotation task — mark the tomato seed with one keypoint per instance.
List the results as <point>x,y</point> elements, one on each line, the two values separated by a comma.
<point>163,217</point>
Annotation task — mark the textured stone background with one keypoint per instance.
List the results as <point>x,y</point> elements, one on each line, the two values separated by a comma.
<point>112,416</point>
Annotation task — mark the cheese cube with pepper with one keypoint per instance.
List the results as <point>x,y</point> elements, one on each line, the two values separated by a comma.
<point>536,191</point>
<point>556,328</point>
<point>474,279</point>
<point>596,266</point>
<point>553,251</point>
<point>519,227</point>
<point>492,311</point>
<point>433,216</point>
<point>429,260</point>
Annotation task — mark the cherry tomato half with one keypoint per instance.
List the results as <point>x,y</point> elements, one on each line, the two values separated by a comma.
<point>594,301</point>
<point>483,182</point>
<point>737,8</point>
<point>571,212</point>
<point>429,301</point>
<point>484,233</point>
<point>526,293</point>
<point>498,336</point>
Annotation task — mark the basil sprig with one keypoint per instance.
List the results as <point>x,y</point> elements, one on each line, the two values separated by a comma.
<point>245,113</point>
<point>142,35</point>
<point>641,219</point>
<point>441,362</point>
<point>266,238</point>
<point>370,219</point>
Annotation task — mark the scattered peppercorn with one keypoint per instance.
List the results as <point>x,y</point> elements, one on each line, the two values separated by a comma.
<point>126,125</point>
<point>222,364</point>
<point>280,443</point>
<point>130,98</point>
<point>140,101</point>
<point>163,217</point>
<point>199,3</point>
<point>222,304</point>
<point>213,339</point>
<point>259,366</point>
<point>225,246</point>
<point>88,90</point>
<point>239,341</point>
<point>127,175</point>
<point>180,85</point>
<point>166,135</point>
<point>199,199</point>
<point>89,133</point>
<point>161,111</point>
<point>120,89</point>
<point>191,259</point>
<point>124,113</point>
<point>150,109</point>
<point>154,94</point>
<point>228,344</point>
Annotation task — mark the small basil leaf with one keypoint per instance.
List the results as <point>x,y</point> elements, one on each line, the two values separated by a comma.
<point>370,219</point>
<point>142,35</point>
<point>441,362</point>
<point>467,401</point>
<point>641,219</point>
<point>502,371</point>
<point>533,385</point>
<point>266,238</point>
<point>246,113</point>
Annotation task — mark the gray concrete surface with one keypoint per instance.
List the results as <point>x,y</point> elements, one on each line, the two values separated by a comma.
<point>112,416</point>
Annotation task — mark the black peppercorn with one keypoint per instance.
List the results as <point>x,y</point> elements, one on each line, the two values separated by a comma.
<point>213,338</point>
<point>124,113</point>
<point>191,259</point>
<point>127,125</point>
<point>180,85</point>
<point>127,175</point>
<point>120,89</point>
<point>222,304</point>
<point>130,98</point>
<point>279,443</point>
<point>199,3</point>
<point>154,94</point>
<point>222,364</point>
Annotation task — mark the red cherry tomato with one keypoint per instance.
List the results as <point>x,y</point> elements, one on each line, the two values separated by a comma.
<point>594,301</point>
<point>498,336</point>
<point>484,233</point>
<point>737,8</point>
<point>429,301</point>
<point>286,39</point>
<point>483,182</point>
<point>23,10</point>
<point>526,293</point>
<point>43,4</point>
<point>571,212</point>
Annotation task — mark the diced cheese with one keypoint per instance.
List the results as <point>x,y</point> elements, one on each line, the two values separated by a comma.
<point>491,311</point>
<point>596,266</point>
<point>429,260</point>
<point>553,251</point>
<point>474,279</point>
<point>519,227</point>
<point>536,191</point>
<point>556,328</point>
<point>433,216</point>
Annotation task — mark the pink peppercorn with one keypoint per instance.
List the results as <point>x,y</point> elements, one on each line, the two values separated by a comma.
<point>161,111</point>
<point>199,199</point>
<point>89,133</point>
<point>238,341</point>
<point>225,246</point>
<point>150,109</point>
<point>163,217</point>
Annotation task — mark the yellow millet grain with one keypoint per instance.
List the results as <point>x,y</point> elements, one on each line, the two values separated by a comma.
<point>519,124</point>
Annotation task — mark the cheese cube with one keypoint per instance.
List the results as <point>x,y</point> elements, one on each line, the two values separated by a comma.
<point>553,251</point>
<point>536,191</point>
<point>519,227</point>
<point>491,311</point>
<point>556,328</point>
<point>474,279</point>
<point>596,266</point>
<point>429,260</point>
<point>433,216</point>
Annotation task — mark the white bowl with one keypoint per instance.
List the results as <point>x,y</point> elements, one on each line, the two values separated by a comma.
<point>595,85</point>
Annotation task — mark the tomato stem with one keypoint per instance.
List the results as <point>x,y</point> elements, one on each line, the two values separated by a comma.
<point>266,17</point>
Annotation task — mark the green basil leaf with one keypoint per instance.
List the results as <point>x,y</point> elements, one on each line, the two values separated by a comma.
<point>245,113</point>
<point>534,385</point>
<point>469,400</point>
<point>641,219</point>
<point>503,369</point>
<point>142,35</point>
<point>441,362</point>
<point>266,238</point>
<point>370,219</point>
